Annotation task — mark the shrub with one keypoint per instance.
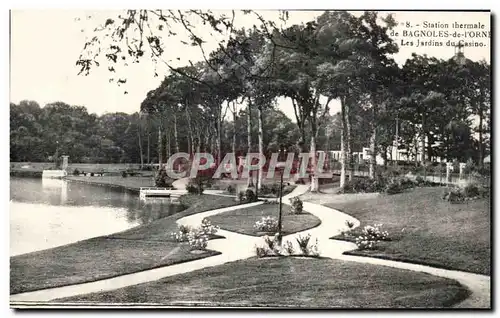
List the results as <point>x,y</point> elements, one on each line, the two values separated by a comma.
<point>471,190</point>
<point>231,189</point>
<point>454,195</point>
<point>406,183</point>
<point>161,178</point>
<point>393,187</point>
<point>419,181</point>
<point>124,174</point>
<point>266,224</point>
<point>91,174</point>
<point>76,172</point>
<point>250,195</point>
<point>196,185</point>
<point>192,189</point>
<point>297,205</point>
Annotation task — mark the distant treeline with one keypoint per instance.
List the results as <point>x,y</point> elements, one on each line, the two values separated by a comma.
<point>40,134</point>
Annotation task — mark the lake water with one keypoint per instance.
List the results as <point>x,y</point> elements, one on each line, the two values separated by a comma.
<point>46,213</point>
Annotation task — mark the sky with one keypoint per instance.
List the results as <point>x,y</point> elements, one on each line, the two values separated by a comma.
<point>45,45</point>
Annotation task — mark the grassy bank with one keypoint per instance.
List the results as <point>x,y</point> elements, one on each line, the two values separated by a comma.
<point>140,248</point>
<point>128,183</point>
<point>426,229</point>
<point>292,282</point>
<point>243,220</point>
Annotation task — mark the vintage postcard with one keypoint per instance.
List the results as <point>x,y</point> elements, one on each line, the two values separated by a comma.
<point>245,158</point>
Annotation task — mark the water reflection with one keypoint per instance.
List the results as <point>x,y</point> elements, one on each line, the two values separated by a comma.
<point>46,213</point>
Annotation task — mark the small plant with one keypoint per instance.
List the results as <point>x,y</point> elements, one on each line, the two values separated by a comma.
<point>124,174</point>
<point>261,251</point>
<point>266,224</point>
<point>349,224</point>
<point>288,247</point>
<point>303,242</point>
<point>91,174</point>
<point>76,172</point>
<point>297,205</point>
<point>313,249</point>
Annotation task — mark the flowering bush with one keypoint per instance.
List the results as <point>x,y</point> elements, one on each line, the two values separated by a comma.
<point>208,228</point>
<point>297,205</point>
<point>266,224</point>
<point>182,233</point>
<point>196,237</point>
<point>370,236</point>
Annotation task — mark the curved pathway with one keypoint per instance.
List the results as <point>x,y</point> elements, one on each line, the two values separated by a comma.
<point>237,246</point>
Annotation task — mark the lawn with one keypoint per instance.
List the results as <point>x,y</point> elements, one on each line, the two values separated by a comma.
<point>427,230</point>
<point>132,183</point>
<point>243,220</point>
<point>291,282</point>
<point>133,250</point>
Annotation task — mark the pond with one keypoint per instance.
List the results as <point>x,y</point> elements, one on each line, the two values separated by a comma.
<point>46,213</point>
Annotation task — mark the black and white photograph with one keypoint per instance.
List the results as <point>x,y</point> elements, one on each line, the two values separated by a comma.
<point>288,159</point>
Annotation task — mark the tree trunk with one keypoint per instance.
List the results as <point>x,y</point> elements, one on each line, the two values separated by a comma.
<point>343,157</point>
<point>198,144</point>
<point>169,144</point>
<point>219,135</point>
<point>176,136</point>
<point>314,177</point>
<point>160,148</point>
<point>149,147</point>
<point>373,153</point>
<point>349,140</point>
<point>261,143</point>
<point>140,147</point>
<point>249,139</point>
<point>190,131</point>
<point>481,148</point>
<point>234,129</point>
<point>422,142</point>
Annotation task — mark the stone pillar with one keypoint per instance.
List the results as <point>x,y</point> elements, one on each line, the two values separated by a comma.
<point>449,170</point>
<point>65,162</point>
<point>462,170</point>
